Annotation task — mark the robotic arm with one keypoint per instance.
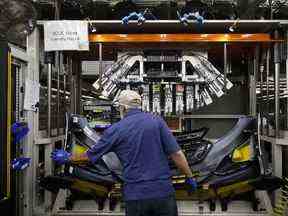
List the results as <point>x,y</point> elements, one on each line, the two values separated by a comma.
<point>185,18</point>
<point>140,17</point>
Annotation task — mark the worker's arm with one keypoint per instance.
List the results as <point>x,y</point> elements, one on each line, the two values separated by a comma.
<point>181,162</point>
<point>172,149</point>
<point>103,146</point>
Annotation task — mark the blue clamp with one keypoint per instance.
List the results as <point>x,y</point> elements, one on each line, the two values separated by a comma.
<point>192,184</point>
<point>60,156</point>
<point>139,16</point>
<point>20,163</point>
<point>19,130</point>
<point>185,18</point>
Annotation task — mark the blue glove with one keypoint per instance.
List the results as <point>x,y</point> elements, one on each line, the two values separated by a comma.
<point>19,130</point>
<point>20,163</point>
<point>60,156</point>
<point>192,184</point>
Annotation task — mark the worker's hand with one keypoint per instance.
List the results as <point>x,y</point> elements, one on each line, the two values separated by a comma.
<point>192,184</point>
<point>60,156</point>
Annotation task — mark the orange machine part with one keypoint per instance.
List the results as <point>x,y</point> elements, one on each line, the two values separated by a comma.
<point>150,38</point>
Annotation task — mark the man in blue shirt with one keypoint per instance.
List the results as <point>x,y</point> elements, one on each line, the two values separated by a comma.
<point>143,142</point>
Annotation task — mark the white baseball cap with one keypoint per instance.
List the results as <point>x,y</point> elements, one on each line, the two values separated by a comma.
<point>129,99</point>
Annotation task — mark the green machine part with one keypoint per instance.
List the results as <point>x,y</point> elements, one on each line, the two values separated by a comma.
<point>5,121</point>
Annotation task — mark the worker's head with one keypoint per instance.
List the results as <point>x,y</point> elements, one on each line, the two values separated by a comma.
<point>126,100</point>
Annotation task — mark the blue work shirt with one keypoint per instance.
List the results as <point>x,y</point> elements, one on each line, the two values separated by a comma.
<point>142,142</point>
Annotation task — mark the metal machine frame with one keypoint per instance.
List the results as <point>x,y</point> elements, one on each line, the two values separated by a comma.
<point>37,139</point>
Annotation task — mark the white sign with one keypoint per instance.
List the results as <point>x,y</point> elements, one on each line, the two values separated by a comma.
<point>66,35</point>
<point>31,96</point>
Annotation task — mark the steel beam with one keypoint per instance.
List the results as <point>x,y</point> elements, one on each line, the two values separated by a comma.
<point>277,149</point>
<point>225,67</point>
<point>262,68</point>
<point>58,68</point>
<point>49,93</point>
<point>268,56</point>
<point>100,64</point>
<point>275,141</point>
<point>49,148</point>
<point>253,79</point>
<point>179,38</point>
<point>277,62</point>
<point>286,78</point>
<point>93,213</point>
<point>72,85</point>
<point>78,86</point>
<point>202,116</point>
<point>166,26</point>
<point>65,81</point>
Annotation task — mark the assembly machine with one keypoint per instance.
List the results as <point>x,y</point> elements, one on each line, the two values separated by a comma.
<point>251,79</point>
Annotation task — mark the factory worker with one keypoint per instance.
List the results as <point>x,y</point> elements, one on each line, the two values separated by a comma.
<point>143,142</point>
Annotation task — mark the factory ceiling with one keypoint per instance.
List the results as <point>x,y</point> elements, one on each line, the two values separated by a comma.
<point>18,17</point>
<point>163,9</point>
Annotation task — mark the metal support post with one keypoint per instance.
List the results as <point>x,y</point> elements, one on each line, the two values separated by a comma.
<point>268,56</point>
<point>49,147</point>
<point>79,86</point>
<point>73,86</point>
<point>253,79</point>
<point>64,81</point>
<point>286,78</point>
<point>69,82</point>
<point>262,68</point>
<point>49,93</point>
<point>57,63</point>
<point>100,64</point>
<point>277,149</point>
<point>225,67</point>
<point>30,200</point>
<point>277,62</point>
